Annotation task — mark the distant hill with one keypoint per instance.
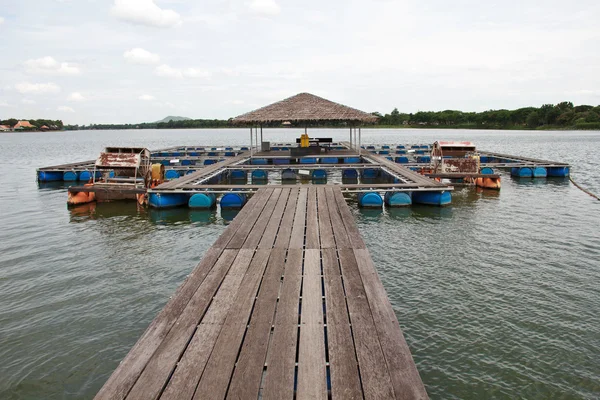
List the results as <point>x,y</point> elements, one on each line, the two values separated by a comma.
<point>167,119</point>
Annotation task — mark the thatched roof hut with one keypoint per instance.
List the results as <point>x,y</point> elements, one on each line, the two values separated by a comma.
<point>305,107</point>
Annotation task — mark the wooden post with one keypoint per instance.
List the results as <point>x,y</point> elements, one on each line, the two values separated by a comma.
<point>359,142</point>
<point>250,142</point>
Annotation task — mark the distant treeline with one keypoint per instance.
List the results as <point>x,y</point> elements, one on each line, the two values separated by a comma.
<point>562,115</point>
<point>549,116</point>
<point>37,123</point>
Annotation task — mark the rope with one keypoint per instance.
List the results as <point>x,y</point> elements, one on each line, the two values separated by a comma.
<point>583,189</point>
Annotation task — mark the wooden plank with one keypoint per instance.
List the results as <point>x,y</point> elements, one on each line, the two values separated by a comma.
<point>127,372</point>
<point>268,238</point>
<point>189,369</point>
<point>281,357</point>
<point>239,220</point>
<point>356,240</point>
<point>312,222</point>
<point>285,229</point>
<point>401,366</point>
<point>257,231</point>
<point>325,229</point>
<point>312,373</point>
<point>247,375</point>
<point>343,365</point>
<point>376,381</point>
<point>339,230</point>
<point>163,362</point>
<point>215,379</point>
<point>297,238</point>
<point>242,233</point>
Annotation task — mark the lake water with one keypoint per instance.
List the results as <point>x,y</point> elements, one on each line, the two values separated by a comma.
<point>498,295</point>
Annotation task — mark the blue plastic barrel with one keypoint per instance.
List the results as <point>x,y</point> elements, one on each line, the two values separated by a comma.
<point>370,173</point>
<point>50,176</point>
<point>483,159</point>
<point>402,160</point>
<point>385,147</point>
<point>384,152</point>
<point>228,148</point>
<point>349,173</point>
<point>244,148</point>
<point>193,154</point>
<point>186,162</point>
<point>329,160</point>
<point>176,154</point>
<point>288,175</point>
<point>233,200</point>
<point>400,151</point>
<point>319,174</point>
<point>400,147</point>
<point>370,147</point>
<point>229,154</point>
<point>397,199</point>
<point>238,174</point>
<point>558,171</point>
<point>111,174</point>
<point>85,176</point>
<point>432,198</point>
<point>190,171</point>
<point>259,175</point>
<point>202,200</point>
<point>370,200</point>
<point>210,162</point>
<point>165,200</point>
<point>540,172</point>
<point>213,154</point>
<point>352,160</point>
<point>171,174</point>
<point>420,152</point>
<point>281,161</point>
<point>522,172</point>
<point>70,176</point>
<point>166,163</point>
<point>260,161</point>
<point>423,159</point>
<point>486,171</point>
<point>308,160</point>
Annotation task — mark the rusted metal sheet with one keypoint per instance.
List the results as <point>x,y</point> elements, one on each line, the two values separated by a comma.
<point>460,165</point>
<point>118,160</point>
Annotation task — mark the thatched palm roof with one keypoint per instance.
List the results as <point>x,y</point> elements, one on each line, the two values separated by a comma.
<point>305,107</point>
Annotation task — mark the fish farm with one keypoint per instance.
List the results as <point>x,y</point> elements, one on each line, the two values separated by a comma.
<point>287,303</point>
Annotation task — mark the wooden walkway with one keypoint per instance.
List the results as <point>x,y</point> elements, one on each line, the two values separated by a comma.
<point>287,302</point>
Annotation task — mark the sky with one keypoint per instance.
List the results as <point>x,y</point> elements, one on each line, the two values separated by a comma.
<point>130,61</point>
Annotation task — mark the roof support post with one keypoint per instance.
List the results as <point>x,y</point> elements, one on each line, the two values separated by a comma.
<point>250,142</point>
<point>359,142</point>
<point>261,136</point>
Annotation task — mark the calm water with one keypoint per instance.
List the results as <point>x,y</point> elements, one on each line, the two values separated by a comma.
<point>498,295</point>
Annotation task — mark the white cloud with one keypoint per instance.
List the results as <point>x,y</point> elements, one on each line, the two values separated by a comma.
<point>146,97</point>
<point>141,56</point>
<point>1,20</point>
<point>37,88</point>
<point>4,104</point>
<point>76,96</point>
<point>266,8</point>
<point>167,71</point>
<point>28,101</point>
<point>65,109</point>
<point>145,12</point>
<point>195,73</point>
<point>48,65</point>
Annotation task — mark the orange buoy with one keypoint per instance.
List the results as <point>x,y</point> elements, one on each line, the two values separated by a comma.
<point>488,183</point>
<point>81,197</point>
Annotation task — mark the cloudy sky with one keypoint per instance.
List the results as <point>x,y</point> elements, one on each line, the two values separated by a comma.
<point>100,61</point>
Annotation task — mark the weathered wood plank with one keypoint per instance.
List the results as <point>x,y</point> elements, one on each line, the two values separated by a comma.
<point>325,229</point>
<point>189,369</point>
<point>281,357</point>
<point>376,381</point>
<point>268,238</point>
<point>297,239</point>
<point>215,379</point>
<point>163,361</point>
<point>239,220</point>
<point>257,231</point>
<point>356,240</point>
<point>401,366</point>
<point>127,372</point>
<point>312,373</point>
<point>242,233</point>
<point>343,365</point>
<point>312,222</point>
<point>285,230</point>
<point>339,230</point>
<point>247,375</point>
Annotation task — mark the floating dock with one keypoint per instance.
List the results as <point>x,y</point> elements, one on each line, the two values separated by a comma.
<point>286,304</point>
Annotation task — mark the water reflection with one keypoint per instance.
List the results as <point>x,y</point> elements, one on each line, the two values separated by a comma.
<point>58,185</point>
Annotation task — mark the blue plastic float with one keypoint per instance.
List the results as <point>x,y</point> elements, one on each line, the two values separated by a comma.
<point>202,200</point>
<point>259,175</point>
<point>432,198</point>
<point>397,199</point>
<point>165,200</point>
<point>50,176</point>
<point>233,200</point>
<point>370,200</point>
<point>70,176</point>
<point>522,172</point>
<point>238,174</point>
<point>171,174</point>
<point>349,173</point>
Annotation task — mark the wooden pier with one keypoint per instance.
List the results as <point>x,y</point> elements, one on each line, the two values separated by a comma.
<point>286,303</point>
